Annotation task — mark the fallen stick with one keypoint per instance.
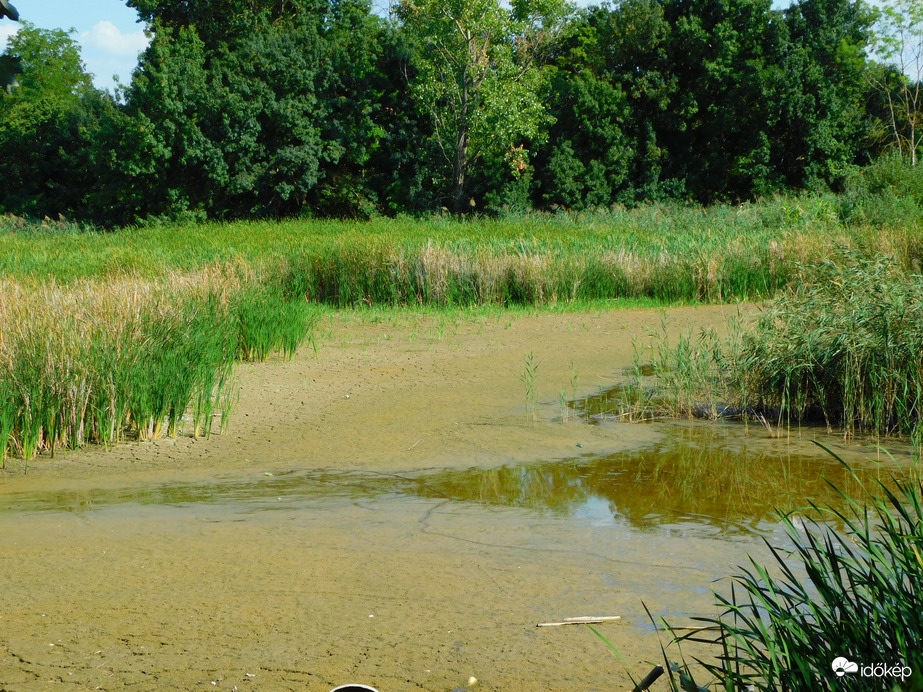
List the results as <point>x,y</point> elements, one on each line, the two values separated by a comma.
<point>586,620</point>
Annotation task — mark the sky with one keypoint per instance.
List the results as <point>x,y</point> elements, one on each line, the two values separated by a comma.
<point>107,30</point>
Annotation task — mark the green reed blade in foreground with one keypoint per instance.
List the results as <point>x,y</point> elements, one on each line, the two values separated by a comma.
<point>856,594</point>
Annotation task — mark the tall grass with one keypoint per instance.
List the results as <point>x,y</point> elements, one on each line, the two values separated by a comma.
<point>270,320</point>
<point>844,347</point>
<point>97,360</point>
<point>855,595</point>
<point>888,193</point>
<point>667,253</point>
<point>55,346</point>
<point>848,346</point>
<point>671,254</point>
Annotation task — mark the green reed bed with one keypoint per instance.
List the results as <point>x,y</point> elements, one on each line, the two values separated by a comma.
<point>850,600</point>
<point>85,365</point>
<point>96,360</point>
<point>668,253</point>
<point>270,319</point>
<point>848,346</point>
<point>844,348</point>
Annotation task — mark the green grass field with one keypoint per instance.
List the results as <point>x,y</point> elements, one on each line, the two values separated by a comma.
<point>671,254</point>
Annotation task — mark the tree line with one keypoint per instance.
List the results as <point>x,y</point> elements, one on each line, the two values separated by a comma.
<point>273,108</point>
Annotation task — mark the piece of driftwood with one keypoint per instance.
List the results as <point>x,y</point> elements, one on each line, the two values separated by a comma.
<point>584,620</point>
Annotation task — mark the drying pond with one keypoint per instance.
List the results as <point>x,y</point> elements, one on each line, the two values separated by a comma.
<point>296,578</point>
<point>410,535</point>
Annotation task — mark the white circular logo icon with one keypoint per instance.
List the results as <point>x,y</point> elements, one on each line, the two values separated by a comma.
<point>841,666</point>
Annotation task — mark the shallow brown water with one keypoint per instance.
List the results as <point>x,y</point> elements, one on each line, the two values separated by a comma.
<point>284,572</point>
<point>403,479</point>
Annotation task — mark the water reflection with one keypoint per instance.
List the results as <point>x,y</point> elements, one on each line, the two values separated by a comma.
<point>705,476</point>
<point>678,482</point>
<point>248,488</point>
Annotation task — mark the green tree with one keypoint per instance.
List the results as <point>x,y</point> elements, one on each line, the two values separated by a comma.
<point>48,126</point>
<point>218,20</point>
<point>714,100</point>
<point>278,113</point>
<point>232,131</point>
<point>898,41</point>
<point>662,98</point>
<point>9,65</point>
<point>725,54</point>
<point>823,127</point>
<point>382,166</point>
<point>51,64</point>
<point>610,95</point>
<point>478,78</point>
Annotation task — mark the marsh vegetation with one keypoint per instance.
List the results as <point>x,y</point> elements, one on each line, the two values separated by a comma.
<point>87,316</point>
<point>98,359</point>
<point>575,170</point>
<point>106,336</point>
<point>840,349</point>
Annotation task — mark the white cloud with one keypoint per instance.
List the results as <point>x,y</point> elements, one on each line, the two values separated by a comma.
<point>6,30</point>
<point>107,37</point>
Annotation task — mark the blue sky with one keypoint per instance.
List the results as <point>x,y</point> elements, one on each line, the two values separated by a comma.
<point>107,31</point>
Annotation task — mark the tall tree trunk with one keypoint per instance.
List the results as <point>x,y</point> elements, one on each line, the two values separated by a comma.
<point>459,170</point>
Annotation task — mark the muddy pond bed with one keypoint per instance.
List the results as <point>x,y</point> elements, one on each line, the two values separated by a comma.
<point>286,574</point>
<point>385,510</point>
<point>698,478</point>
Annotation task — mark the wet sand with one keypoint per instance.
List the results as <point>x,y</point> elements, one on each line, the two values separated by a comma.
<point>308,591</point>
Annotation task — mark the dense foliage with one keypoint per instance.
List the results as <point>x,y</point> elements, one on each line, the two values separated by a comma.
<point>841,346</point>
<point>272,108</point>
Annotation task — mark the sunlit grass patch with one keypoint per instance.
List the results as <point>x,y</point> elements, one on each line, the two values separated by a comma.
<point>666,253</point>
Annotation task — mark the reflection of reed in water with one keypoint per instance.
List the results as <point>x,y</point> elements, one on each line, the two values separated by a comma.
<point>702,474</point>
<point>556,486</point>
<point>695,477</point>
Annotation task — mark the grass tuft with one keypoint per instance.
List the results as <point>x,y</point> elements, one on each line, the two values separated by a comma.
<point>843,348</point>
